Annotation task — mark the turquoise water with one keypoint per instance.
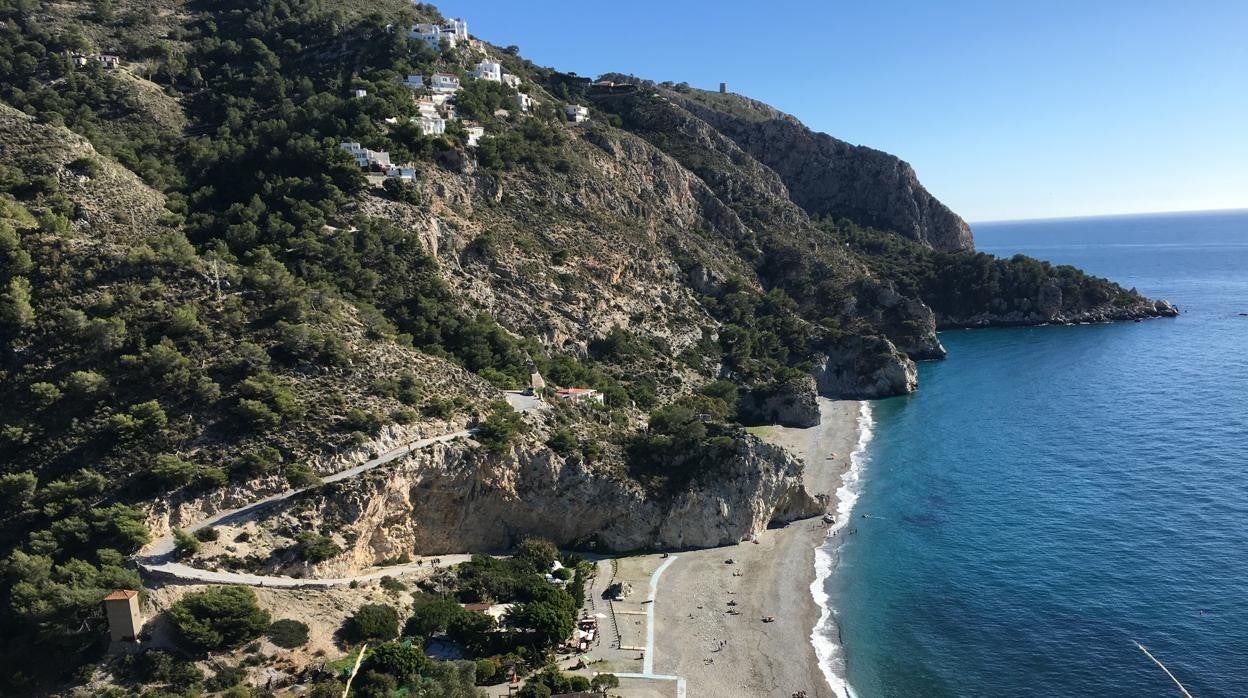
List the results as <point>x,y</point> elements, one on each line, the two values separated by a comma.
<point>1052,495</point>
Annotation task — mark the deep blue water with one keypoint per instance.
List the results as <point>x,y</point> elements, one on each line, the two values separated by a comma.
<point>1051,495</point>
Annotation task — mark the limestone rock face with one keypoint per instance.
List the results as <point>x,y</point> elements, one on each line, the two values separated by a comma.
<point>457,497</point>
<point>829,177</point>
<point>865,368</point>
<point>791,404</point>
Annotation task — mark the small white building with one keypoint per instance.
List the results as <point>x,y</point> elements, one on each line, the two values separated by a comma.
<point>488,70</point>
<point>525,102</point>
<point>474,132</point>
<point>366,158</point>
<point>416,82</point>
<point>577,113</point>
<point>403,174</point>
<point>457,28</point>
<point>444,82</point>
<point>580,395</point>
<point>512,81</point>
<point>430,124</point>
<point>359,93</point>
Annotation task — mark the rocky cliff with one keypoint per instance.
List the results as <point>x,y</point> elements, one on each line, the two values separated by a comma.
<point>829,177</point>
<point>458,497</point>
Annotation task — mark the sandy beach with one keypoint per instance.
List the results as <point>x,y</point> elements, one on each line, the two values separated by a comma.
<point>720,653</point>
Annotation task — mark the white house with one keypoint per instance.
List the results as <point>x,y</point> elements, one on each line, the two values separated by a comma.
<point>577,113</point>
<point>403,174</point>
<point>489,70</point>
<point>416,82</point>
<point>359,93</point>
<point>430,124</point>
<point>366,158</point>
<point>444,82</point>
<point>524,101</point>
<point>457,27</point>
<point>512,81</point>
<point>579,395</point>
<point>454,32</point>
<point>475,133</point>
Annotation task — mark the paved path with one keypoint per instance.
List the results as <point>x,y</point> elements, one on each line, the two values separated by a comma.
<point>159,558</point>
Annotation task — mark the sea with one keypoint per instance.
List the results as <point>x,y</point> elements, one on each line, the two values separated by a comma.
<point>1054,498</point>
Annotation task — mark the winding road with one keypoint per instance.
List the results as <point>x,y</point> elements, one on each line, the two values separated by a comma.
<point>159,558</point>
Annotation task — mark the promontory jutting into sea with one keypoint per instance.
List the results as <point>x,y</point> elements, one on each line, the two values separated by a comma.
<point>351,349</point>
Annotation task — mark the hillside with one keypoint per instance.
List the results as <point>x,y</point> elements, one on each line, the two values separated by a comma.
<point>205,300</point>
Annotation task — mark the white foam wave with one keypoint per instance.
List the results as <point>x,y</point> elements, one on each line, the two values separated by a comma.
<point>825,634</point>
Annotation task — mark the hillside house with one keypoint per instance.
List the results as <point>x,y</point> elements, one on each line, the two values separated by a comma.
<point>124,621</point>
<point>416,82</point>
<point>359,93</point>
<point>577,113</point>
<point>365,158</point>
<point>454,32</point>
<point>444,83</point>
<point>403,174</point>
<point>430,124</point>
<point>474,132</point>
<point>107,61</point>
<point>512,81</point>
<point>488,70</point>
<point>525,102</point>
<point>580,395</point>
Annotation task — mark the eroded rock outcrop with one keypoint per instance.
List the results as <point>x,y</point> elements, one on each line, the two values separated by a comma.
<point>792,403</point>
<point>865,368</point>
<point>458,497</point>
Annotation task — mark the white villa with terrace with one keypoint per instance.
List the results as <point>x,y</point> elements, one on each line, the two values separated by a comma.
<point>366,158</point>
<point>454,32</point>
<point>577,113</point>
<point>489,70</point>
<point>444,82</point>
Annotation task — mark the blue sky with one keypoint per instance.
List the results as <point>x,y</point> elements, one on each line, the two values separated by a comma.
<point>1006,109</point>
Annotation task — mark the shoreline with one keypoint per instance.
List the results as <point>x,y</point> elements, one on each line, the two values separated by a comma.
<point>709,627</point>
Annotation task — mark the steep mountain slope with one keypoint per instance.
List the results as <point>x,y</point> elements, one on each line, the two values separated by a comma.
<point>204,299</point>
<point>829,177</point>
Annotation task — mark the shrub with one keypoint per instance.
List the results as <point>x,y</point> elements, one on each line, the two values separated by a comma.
<point>372,622</point>
<point>226,677</point>
<point>184,544</point>
<point>314,548</point>
<point>300,475</point>
<point>498,429</point>
<point>402,661</point>
<point>207,534</point>
<point>392,585</point>
<point>219,618</point>
<point>288,633</point>
<point>487,669</point>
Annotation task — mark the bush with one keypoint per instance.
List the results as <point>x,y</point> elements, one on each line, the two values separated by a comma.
<point>498,429</point>
<point>314,548</point>
<point>393,585</point>
<point>288,633</point>
<point>184,544</point>
<point>207,534</point>
<point>402,661</point>
<point>226,677</point>
<point>300,475</point>
<point>372,622</point>
<point>487,669</point>
<point>219,618</point>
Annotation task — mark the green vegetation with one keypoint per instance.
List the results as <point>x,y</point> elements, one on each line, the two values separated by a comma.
<point>372,622</point>
<point>313,547</point>
<point>962,285</point>
<point>288,633</point>
<point>218,618</point>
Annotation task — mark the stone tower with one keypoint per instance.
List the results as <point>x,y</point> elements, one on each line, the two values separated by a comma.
<point>124,621</point>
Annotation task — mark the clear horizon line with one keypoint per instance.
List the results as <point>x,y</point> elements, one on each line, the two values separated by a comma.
<point>1110,215</point>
